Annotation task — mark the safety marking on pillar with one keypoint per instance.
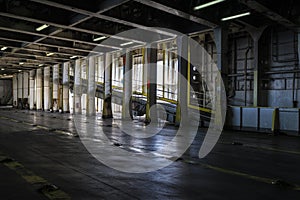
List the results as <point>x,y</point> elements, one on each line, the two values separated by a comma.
<point>49,190</point>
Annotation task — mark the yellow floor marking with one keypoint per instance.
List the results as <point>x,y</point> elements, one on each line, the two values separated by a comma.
<point>30,177</point>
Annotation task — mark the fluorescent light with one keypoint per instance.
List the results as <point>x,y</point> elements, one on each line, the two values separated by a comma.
<point>72,57</point>
<point>2,69</point>
<point>125,44</point>
<point>42,27</point>
<point>19,70</point>
<point>99,38</point>
<point>4,74</point>
<point>3,48</point>
<point>49,54</point>
<point>21,63</point>
<point>208,4</point>
<point>235,16</point>
<point>41,65</point>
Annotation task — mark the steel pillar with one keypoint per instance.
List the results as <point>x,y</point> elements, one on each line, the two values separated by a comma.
<point>15,90</point>
<point>39,89</point>
<point>55,88</point>
<point>256,34</point>
<point>47,89</point>
<point>65,82</point>
<point>91,91</point>
<point>32,91</point>
<point>107,106</point>
<point>182,104</point>
<point>220,101</point>
<point>77,87</point>
<point>151,63</point>
<point>25,89</point>
<point>127,86</point>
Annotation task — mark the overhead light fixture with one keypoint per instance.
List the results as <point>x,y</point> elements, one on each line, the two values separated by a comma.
<point>4,74</point>
<point>2,69</point>
<point>42,27</point>
<point>21,63</point>
<point>3,48</point>
<point>41,65</point>
<point>235,16</point>
<point>19,70</point>
<point>99,38</point>
<point>125,44</point>
<point>72,57</point>
<point>208,4</point>
<point>49,54</point>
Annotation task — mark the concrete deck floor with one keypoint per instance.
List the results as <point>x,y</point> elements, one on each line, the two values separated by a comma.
<point>242,171</point>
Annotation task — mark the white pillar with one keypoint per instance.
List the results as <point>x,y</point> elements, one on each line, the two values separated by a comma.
<point>20,86</point>
<point>39,89</point>
<point>66,107</point>
<point>91,109</point>
<point>15,90</point>
<point>31,89</point>
<point>47,99</point>
<point>107,106</point>
<point>127,86</point>
<point>55,87</point>
<point>25,85</point>
<point>77,87</point>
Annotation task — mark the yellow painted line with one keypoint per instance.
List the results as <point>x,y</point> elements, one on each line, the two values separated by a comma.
<point>248,176</point>
<point>168,100</point>
<point>42,127</point>
<point>53,193</point>
<point>201,109</point>
<point>64,132</point>
<point>279,150</point>
<point>273,149</point>
<point>265,148</point>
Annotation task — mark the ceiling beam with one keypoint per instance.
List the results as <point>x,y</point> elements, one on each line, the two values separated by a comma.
<point>31,49</point>
<point>105,17</point>
<point>268,13</point>
<point>28,60</point>
<point>52,45</point>
<point>33,57</point>
<point>58,38</point>
<point>14,16</point>
<point>177,13</point>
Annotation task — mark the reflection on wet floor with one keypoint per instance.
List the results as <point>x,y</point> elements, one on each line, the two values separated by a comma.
<point>240,163</point>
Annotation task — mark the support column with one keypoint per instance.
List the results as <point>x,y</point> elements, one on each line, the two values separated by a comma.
<point>25,90</point>
<point>47,98</point>
<point>15,90</point>
<point>220,101</point>
<point>55,88</point>
<point>20,91</point>
<point>66,106</point>
<point>31,89</point>
<point>39,89</point>
<point>91,92</point>
<point>221,40</point>
<point>182,104</point>
<point>144,87</point>
<point>107,107</point>
<point>151,62</point>
<point>256,34</point>
<point>127,86</point>
<point>77,87</point>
